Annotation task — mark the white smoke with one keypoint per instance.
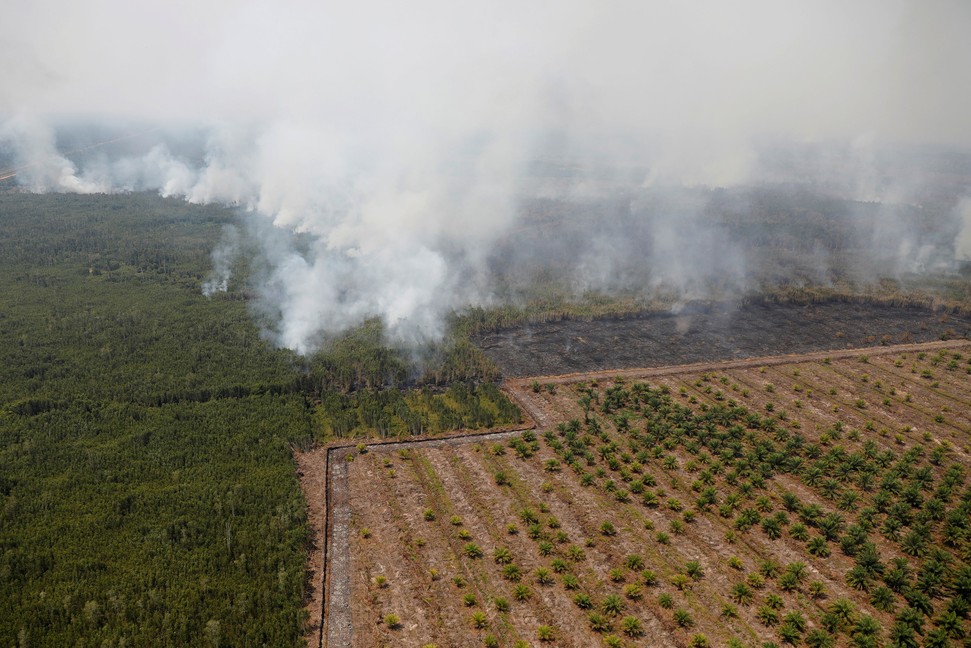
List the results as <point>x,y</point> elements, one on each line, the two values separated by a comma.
<point>223,257</point>
<point>962,244</point>
<point>40,167</point>
<point>395,136</point>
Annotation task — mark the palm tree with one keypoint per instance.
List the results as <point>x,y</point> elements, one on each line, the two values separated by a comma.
<point>831,526</point>
<point>772,528</point>
<point>937,638</point>
<point>848,501</point>
<point>741,594</point>
<point>767,615</point>
<point>769,568</point>
<point>817,589</point>
<point>582,601</point>
<point>699,641</point>
<point>811,514</point>
<point>612,605</point>
<point>543,576</point>
<point>843,611</point>
<point>911,618</point>
<point>897,578</point>
<point>774,601</point>
<point>931,577</point>
<point>858,578</point>
<point>521,593</point>
<point>598,622</point>
<point>915,542</point>
<point>918,599</point>
<point>903,636</point>
<point>789,634</point>
<point>788,582</point>
<point>812,476</point>
<point>799,532</point>
<point>479,619</point>
<point>694,569</point>
<point>951,624</point>
<point>817,546</point>
<point>546,633</point>
<point>820,639</point>
<point>882,599</point>
<point>631,626</point>
<point>866,632</point>
<point>683,618</point>
<point>830,489</point>
<point>869,560</point>
<point>797,569</point>
<point>796,620</point>
<point>791,502</point>
<point>512,573</point>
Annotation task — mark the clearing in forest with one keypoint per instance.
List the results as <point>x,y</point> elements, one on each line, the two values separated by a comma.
<point>820,501</point>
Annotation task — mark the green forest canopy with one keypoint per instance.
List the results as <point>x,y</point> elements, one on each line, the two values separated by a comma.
<point>147,488</point>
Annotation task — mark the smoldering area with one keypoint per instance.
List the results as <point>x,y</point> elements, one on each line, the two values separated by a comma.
<point>710,333</point>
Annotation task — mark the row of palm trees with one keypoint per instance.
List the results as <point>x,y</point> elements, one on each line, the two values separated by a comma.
<point>864,491</point>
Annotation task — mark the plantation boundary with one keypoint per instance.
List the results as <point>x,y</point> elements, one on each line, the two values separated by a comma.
<point>334,615</point>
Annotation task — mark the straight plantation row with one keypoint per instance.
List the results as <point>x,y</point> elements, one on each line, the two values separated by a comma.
<point>821,503</point>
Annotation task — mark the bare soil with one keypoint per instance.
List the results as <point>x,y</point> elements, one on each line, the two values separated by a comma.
<point>312,473</point>
<point>386,557</point>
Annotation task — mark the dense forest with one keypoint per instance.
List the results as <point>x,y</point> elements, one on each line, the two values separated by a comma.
<point>147,487</point>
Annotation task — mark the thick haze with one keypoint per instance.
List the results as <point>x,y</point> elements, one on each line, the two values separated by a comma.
<point>403,136</point>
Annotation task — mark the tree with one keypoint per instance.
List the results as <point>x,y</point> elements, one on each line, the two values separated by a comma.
<point>911,618</point>
<point>831,526</point>
<point>858,578</point>
<point>937,638</point>
<point>598,622</point>
<point>866,632</point>
<point>820,639</point>
<point>693,569</point>
<point>683,618</point>
<point>772,528</point>
<point>817,546</point>
<point>741,594</point>
<point>631,626</point>
<point>951,624</point>
<point>882,599</point>
<point>612,605</point>
<point>903,636</point>
<point>843,611</point>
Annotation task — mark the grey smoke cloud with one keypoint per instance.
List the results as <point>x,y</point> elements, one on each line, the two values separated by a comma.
<point>397,137</point>
<point>962,243</point>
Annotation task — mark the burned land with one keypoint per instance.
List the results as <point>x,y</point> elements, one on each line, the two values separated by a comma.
<point>710,333</point>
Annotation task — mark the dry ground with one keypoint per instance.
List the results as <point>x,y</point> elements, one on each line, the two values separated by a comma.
<point>420,531</point>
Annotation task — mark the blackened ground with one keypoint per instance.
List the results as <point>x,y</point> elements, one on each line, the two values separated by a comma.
<point>710,334</point>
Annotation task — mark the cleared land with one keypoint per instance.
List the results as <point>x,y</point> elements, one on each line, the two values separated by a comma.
<point>823,499</point>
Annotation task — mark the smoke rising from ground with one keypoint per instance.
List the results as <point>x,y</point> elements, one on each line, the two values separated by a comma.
<point>962,244</point>
<point>408,143</point>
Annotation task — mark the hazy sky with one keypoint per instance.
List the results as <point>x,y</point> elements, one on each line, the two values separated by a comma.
<point>809,69</point>
<point>397,132</point>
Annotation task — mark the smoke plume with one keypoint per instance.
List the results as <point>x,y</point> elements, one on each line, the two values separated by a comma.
<point>402,160</point>
<point>962,244</point>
